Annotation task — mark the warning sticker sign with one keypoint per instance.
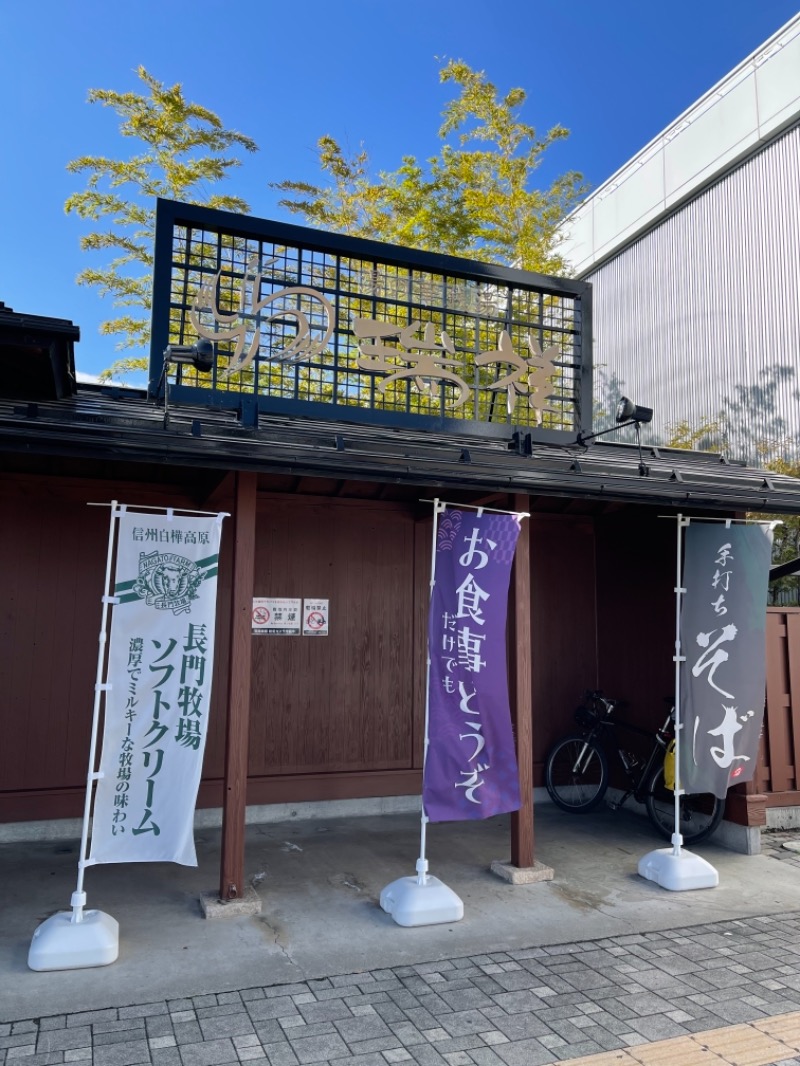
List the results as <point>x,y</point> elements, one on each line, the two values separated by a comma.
<point>315,618</point>
<point>276,616</point>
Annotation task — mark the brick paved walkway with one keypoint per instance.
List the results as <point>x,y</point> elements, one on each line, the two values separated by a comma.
<point>519,1008</point>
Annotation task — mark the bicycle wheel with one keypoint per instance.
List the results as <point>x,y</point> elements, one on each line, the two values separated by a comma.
<point>699,815</point>
<point>576,774</point>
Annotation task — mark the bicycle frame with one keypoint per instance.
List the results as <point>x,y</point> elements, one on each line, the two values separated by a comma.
<point>638,779</point>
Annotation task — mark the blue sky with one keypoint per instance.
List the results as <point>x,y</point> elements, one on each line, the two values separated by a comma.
<point>366,71</point>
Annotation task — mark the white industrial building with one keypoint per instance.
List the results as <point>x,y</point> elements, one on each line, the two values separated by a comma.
<point>693,252</point>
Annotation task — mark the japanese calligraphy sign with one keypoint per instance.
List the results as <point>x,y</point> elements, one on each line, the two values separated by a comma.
<point>470,764</point>
<point>723,627</point>
<point>326,327</point>
<point>160,659</point>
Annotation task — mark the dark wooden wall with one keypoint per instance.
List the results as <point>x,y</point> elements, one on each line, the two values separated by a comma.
<point>347,702</point>
<point>331,717</point>
<point>52,568</point>
<point>564,625</point>
<point>636,553</point>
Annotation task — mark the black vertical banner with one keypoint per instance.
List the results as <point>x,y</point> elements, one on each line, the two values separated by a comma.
<point>723,641</point>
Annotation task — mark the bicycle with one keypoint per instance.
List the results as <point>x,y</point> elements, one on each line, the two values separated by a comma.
<point>577,773</point>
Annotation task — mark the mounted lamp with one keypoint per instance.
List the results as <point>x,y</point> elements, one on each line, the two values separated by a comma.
<point>199,355</point>
<point>628,414</point>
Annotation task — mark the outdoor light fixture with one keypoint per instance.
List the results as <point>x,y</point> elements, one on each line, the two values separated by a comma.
<point>199,355</point>
<point>628,414</point>
<point>628,411</point>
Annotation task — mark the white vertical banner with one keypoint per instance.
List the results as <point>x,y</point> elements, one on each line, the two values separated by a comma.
<point>160,659</point>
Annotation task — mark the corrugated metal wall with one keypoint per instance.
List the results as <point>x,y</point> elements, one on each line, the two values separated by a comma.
<point>700,319</point>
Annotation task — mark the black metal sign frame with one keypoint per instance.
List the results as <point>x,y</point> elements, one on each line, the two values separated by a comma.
<point>319,326</point>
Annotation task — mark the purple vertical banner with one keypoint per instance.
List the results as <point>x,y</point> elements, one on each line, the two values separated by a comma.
<point>471,763</point>
<point>723,639</point>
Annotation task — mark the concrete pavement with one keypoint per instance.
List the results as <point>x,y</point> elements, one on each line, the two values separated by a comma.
<point>594,961</point>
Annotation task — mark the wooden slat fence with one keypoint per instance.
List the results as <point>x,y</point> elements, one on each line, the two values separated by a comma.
<point>779,760</point>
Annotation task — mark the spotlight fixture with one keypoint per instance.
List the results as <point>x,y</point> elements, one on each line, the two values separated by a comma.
<point>628,411</point>
<point>628,414</point>
<point>199,355</point>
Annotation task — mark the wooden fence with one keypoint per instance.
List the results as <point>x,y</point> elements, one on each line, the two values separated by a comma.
<point>777,780</point>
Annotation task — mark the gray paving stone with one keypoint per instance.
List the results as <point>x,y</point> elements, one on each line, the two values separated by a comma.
<point>129,1053</point>
<point>159,1025</point>
<point>165,1056</point>
<point>657,1027</point>
<point>517,1002</point>
<point>524,1053</point>
<point>60,1039</point>
<point>187,1032</point>
<point>208,1053</point>
<point>362,999</point>
<point>320,1048</point>
<point>466,998</point>
<point>226,1025</point>
<point>292,990</point>
<point>119,1026</point>
<point>249,994</point>
<point>364,1027</point>
<point>48,1058</point>
<point>269,1031</point>
<point>422,1018</point>
<point>734,1011</point>
<point>514,980</point>
<point>403,998</point>
<point>220,1011</point>
<point>521,1026</point>
<point>465,1023</point>
<point>408,1034</point>
<point>280,1054</point>
<point>57,1021</point>
<point>425,1055</point>
<point>485,1056</point>
<point>276,1007</point>
<point>143,1010</point>
<point>390,1012</point>
<point>376,1044</point>
<point>352,979</point>
<point>435,1004</point>
<point>327,1011</point>
<point>19,1039</point>
<point>124,1036</point>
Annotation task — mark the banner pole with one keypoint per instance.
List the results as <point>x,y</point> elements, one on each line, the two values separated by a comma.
<point>677,839</point>
<point>71,940</point>
<point>78,901</point>
<point>422,862</point>
<point>672,868</point>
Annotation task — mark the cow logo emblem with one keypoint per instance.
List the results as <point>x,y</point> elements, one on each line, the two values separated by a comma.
<point>167,582</point>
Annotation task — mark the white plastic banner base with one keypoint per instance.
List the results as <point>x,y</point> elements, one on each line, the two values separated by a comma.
<point>61,943</point>
<point>679,872</point>
<point>430,902</point>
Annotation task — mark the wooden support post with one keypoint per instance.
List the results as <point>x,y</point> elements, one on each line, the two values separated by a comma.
<point>522,710</point>
<point>234,799</point>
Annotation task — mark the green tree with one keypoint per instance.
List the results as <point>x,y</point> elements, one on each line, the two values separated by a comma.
<point>184,148</point>
<point>704,437</point>
<point>475,198</point>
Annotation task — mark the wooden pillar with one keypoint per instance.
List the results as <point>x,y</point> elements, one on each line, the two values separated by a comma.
<point>234,799</point>
<point>522,710</point>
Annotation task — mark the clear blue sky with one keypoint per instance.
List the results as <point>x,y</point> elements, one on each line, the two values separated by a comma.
<point>614,72</point>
